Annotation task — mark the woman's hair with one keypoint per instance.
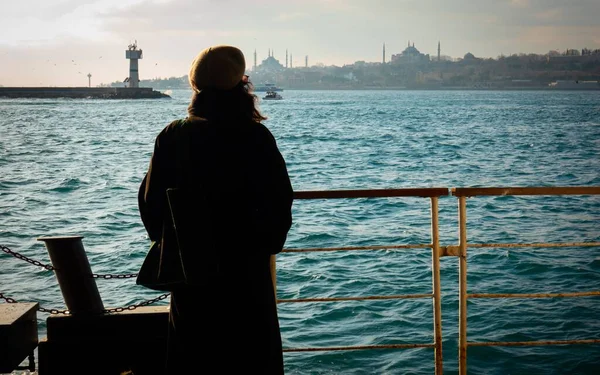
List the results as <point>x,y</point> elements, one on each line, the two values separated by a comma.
<point>239,103</point>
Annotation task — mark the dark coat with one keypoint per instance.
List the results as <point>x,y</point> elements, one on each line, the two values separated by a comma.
<point>230,323</point>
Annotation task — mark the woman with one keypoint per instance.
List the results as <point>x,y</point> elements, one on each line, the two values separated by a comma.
<point>237,205</point>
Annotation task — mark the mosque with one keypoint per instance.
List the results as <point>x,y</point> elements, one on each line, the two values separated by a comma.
<point>411,55</point>
<point>270,64</point>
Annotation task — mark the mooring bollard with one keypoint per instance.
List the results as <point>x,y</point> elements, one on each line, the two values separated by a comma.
<point>74,274</point>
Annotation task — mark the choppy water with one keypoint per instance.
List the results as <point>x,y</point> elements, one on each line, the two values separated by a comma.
<point>72,167</point>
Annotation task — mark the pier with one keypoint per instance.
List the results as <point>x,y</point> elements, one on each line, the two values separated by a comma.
<point>81,93</point>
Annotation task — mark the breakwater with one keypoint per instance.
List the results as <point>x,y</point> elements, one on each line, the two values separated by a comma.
<point>82,92</point>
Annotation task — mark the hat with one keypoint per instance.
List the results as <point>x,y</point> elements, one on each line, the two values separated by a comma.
<point>221,67</point>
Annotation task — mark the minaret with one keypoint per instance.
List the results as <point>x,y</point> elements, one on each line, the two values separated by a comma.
<point>254,61</point>
<point>306,61</point>
<point>439,50</point>
<point>286,59</point>
<point>291,61</point>
<point>383,53</point>
<point>133,54</point>
<point>89,79</point>
<point>269,53</point>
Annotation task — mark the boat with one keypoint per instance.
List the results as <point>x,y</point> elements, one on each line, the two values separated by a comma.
<point>267,87</point>
<point>272,95</point>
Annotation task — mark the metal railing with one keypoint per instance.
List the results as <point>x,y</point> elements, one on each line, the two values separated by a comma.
<point>462,194</point>
<point>433,194</point>
<point>438,251</point>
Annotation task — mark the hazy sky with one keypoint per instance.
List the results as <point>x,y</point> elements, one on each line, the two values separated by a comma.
<point>58,42</point>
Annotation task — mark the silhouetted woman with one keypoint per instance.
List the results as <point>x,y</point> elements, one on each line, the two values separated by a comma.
<point>238,208</point>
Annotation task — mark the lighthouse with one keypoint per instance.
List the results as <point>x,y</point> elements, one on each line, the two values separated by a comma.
<point>133,54</point>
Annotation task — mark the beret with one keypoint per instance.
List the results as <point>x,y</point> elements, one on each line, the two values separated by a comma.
<point>221,67</point>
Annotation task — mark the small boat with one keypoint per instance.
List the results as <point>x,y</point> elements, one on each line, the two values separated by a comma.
<point>272,95</point>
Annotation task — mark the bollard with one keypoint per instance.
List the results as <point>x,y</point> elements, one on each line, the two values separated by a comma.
<point>74,275</point>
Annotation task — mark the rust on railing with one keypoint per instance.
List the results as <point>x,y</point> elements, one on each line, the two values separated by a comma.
<point>433,194</point>
<point>351,248</point>
<point>461,251</point>
<point>373,193</point>
<point>545,190</point>
<point>340,299</point>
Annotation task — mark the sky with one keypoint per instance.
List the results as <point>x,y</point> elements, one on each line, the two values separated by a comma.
<point>60,42</point>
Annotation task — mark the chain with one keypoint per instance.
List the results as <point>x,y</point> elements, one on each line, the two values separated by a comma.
<point>94,275</point>
<point>51,268</point>
<point>28,260</point>
<point>116,309</point>
<point>7,299</point>
<point>108,276</point>
<point>54,311</point>
<point>135,306</point>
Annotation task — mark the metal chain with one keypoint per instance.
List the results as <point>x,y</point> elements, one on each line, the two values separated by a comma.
<point>94,275</point>
<point>116,309</point>
<point>52,268</point>
<point>108,276</point>
<point>23,257</point>
<point>135,306</point>
<point>53,311</point>
<point>7,299</point>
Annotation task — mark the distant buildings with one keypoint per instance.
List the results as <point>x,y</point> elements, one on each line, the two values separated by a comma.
<point>410,55</point>
<point>270,64</point>
<point>413,69</point>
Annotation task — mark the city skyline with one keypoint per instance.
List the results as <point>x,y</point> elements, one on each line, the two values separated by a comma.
<point>59,42</point>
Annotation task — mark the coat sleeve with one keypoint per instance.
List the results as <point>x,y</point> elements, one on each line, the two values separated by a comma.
<point>152,201</point>
<point>275,214</point>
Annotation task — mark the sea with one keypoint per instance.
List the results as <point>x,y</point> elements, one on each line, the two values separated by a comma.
<point>73,167</point>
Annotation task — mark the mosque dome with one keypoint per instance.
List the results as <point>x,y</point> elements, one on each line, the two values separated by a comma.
<point>411,50</point>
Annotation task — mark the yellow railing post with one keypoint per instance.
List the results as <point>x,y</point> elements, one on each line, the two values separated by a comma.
<point>462,194</point>
<point>462,310</point>
<point>273,266</point>
<point>437,294</point>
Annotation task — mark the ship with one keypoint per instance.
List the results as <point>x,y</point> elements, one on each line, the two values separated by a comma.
<point>272,95</point>
<point>266,87</point>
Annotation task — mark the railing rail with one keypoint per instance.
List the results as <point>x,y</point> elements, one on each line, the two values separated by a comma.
<point>462,194</point>
<point>433,194</point>
<point>545,190</point>
<point>459,250</point>
<point>373,193</point>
